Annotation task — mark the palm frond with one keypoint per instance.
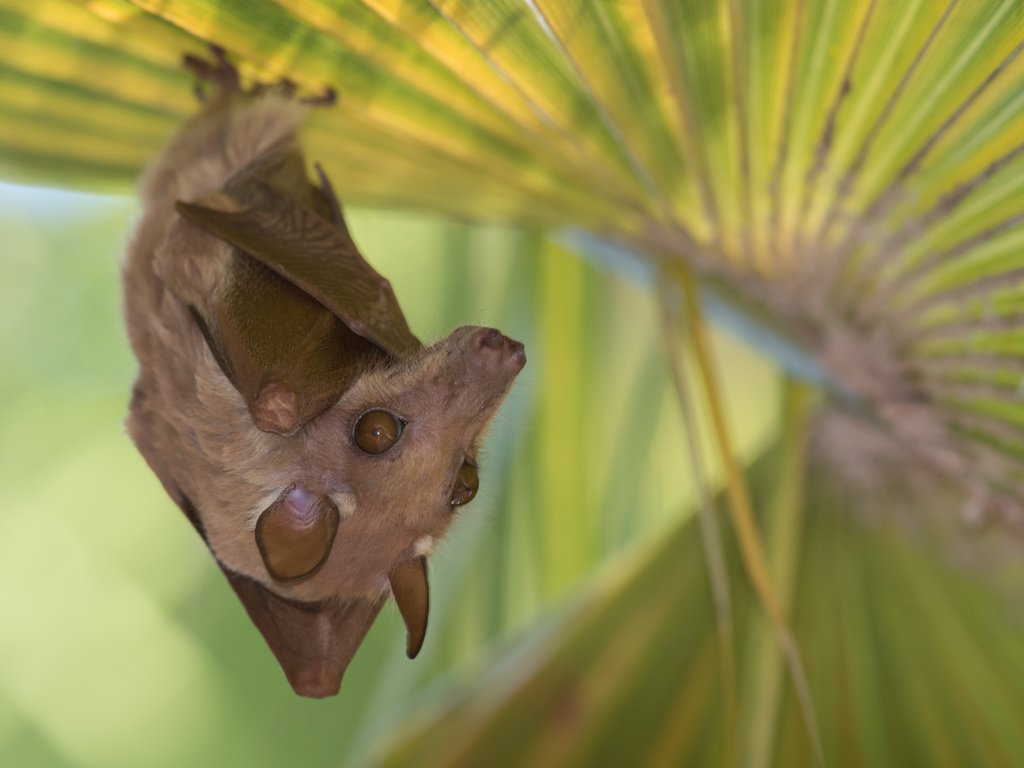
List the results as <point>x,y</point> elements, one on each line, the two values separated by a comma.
<point>912,657</point>
<point>854,166</point>
<point>845,176</point>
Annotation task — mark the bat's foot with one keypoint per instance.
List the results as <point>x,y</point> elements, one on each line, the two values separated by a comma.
<point>325,98</point>
<point>218,72</point>
<point>223,76</point>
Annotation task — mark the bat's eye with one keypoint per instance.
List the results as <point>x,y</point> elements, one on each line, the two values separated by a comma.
<point>377,430</point>
<point>467,483</point>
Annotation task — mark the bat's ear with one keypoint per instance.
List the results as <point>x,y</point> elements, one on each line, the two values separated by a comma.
<point>313,642</point>
<point>411,589</point>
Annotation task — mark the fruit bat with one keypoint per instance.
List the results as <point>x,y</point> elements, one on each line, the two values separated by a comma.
<point>314,443</point>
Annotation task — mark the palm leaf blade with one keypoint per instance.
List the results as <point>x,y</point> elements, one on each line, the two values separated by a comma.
<point>849,173</point>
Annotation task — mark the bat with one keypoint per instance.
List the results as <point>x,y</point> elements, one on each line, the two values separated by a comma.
<point>317,447</point>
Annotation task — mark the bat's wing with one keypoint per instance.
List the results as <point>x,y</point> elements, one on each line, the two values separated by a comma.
<point>313,642</point>
<point>288,356</point>
<point>303,313</point>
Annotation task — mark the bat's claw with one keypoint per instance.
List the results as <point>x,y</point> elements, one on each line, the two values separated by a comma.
<point>219,72</point>
<point>327,98</point>
<point>224,77</point>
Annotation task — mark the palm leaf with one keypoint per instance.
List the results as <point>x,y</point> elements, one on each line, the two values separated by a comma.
<point>845,174</point>
<point>621,678</point>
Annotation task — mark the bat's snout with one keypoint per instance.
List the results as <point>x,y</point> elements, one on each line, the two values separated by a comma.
<point>509,352</point>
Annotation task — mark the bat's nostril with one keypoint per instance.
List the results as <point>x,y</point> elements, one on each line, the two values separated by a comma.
<point>490,338</point>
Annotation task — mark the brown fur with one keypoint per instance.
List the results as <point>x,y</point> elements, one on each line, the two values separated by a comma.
<point>193,426</point>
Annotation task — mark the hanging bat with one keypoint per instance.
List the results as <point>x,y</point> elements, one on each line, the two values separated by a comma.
<point>315,444</point>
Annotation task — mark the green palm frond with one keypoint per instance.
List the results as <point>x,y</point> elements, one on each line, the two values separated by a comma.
<point>852,165</point>
<point>899,641</point>
<point>842,179</point>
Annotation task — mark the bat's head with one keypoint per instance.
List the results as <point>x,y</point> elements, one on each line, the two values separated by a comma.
<point>371,484</point>
<point>397,455</point>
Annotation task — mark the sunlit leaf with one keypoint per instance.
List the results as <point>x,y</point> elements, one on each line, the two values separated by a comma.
<point>844,176</point>
<point>914,660</point>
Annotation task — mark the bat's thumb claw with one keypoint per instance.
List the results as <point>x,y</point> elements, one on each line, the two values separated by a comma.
<point>276,409</point>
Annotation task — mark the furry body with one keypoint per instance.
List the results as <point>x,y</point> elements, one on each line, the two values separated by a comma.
<point>196,428</point>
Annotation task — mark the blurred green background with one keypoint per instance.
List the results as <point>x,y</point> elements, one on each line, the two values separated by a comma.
<point>122,644</point>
